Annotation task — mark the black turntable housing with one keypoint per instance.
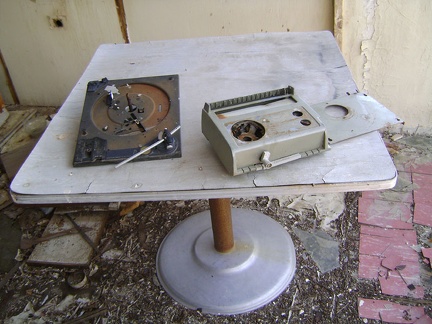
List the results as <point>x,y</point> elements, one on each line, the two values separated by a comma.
<point>122,117</point>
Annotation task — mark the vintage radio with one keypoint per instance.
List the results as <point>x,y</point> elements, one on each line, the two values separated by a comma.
<point>264,130</point>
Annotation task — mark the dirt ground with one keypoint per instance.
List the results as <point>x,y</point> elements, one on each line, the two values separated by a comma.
<point>124,288</point>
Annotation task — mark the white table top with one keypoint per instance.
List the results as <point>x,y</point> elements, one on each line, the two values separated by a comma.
<point>210,69</point>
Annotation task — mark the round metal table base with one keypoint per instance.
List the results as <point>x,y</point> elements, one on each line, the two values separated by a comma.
<point>257,270</point>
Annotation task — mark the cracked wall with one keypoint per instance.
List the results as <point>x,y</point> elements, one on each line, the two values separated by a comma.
<point>388,47</point>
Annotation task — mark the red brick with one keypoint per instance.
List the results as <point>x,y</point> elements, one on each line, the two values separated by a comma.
<point>388,312</point>
<point>395,194</point>
<point>390,195</point>
<point>427,252</point>
<point>382,242</point>
<point>383,213</point>
<point>395,286</point>
<point>391,261</point>
<point>422,196</point>
<point>423,214</point>
<point>425,168</point>
<point>409,236</point>
<point>425,319</point>
<point>411,272</point>
<point>422,188</point>
<point>378,246</point>
<point>422,180</point>
<point>371,267</point>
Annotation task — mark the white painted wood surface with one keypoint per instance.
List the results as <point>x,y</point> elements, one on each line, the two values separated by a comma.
<point>210,69</point>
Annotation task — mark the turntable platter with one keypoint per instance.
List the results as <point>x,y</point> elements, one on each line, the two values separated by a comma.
<point>122,117</point>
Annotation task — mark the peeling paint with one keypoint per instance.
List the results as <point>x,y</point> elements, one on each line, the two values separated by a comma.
<point>368,44</point>
<point>388,50</point>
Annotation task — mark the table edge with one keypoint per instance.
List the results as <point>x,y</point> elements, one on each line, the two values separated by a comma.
<point>204,194</point>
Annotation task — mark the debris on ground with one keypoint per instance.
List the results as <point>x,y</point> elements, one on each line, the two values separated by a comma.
<point>323,249</point>
<point>327,207</point>
<point>84,231</point>
<point>128,207</point>
<point>120,284</point>
<point>20,133</point>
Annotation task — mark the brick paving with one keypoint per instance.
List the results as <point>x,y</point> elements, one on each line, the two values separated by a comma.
<point>389,249</point>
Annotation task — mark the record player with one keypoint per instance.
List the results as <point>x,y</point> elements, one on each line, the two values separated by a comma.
<point>264,130</point>
<point>129,117</point>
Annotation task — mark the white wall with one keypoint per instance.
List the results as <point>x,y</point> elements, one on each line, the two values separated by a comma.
<point>387,43</point>
<point>388,47</point>
<point>46,61</point>
<point>170,19</point>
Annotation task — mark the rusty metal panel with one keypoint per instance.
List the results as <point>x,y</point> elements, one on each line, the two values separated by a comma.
<point>123,117</point>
